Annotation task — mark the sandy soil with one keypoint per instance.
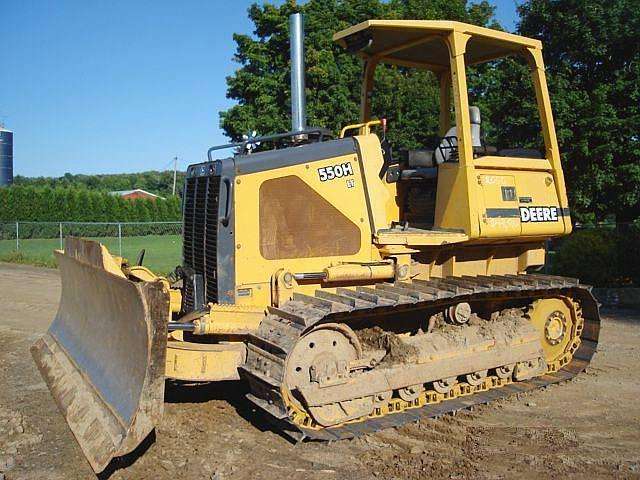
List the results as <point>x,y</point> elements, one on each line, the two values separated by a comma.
<point>589,427</point>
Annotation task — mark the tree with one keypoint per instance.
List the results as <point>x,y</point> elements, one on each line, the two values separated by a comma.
<point>110,208</point>
<point>141,210</point>
<point>161,211</point>
<point>593,65</point>
<point>126,207</point>
<point>174,207</point>
<point>160,183</point>
<point>592,57</point>
<point>261,85</point>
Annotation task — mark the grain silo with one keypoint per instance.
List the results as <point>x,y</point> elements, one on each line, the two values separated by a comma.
<point>6,157</point>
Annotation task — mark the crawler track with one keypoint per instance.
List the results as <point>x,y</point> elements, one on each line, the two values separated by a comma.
<point>283,327</point>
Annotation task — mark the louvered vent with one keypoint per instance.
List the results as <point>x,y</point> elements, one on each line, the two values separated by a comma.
<point>200,235</point>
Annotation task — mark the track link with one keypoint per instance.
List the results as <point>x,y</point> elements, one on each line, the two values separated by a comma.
<point>283,326</point>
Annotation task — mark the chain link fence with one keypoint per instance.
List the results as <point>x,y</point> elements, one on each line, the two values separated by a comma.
<point>34,242</point>
<point>601,255</point>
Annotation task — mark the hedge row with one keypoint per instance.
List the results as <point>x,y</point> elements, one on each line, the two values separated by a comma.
<point>152,181</point>
<point>601,257</point>
<point>37,204</point>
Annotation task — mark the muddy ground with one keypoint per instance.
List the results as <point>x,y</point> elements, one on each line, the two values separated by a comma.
<point>589,427</point>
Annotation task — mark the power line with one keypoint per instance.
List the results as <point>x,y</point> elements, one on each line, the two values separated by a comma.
<point>164,167</point>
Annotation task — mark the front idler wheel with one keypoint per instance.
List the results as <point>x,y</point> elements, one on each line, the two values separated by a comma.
<point>320,358</point>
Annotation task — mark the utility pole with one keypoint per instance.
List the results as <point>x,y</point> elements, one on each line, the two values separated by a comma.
<point>175,169</point>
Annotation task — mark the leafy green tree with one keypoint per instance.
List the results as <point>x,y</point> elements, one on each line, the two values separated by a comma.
<point>161,211</point>
<point>261,85</point>
<point>110,206</point>
<point>84,207</point>
<point>120,213</point>
<point>174,208</point>
<point>127,212</point>
<point>98,206</point>
<point>73,211</point>
<point>160,183</point>
<point>57,204</point>
<point>141,209</point>
<point>592,56</point>
<point>5,207</point>
<point>593,65</point>
<point>64,204</point>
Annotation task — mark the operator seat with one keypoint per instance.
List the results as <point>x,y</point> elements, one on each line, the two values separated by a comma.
<point>449,142</point>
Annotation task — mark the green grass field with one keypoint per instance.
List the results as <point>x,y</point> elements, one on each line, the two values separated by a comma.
<point>163,252</point>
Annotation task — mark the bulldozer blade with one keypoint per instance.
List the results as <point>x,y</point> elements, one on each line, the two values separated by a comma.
<point>103,357</point>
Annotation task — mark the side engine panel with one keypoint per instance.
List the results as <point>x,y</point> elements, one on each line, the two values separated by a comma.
<point>298,209</point>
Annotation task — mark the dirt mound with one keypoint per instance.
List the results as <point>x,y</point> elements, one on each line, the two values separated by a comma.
<point>397,350</point>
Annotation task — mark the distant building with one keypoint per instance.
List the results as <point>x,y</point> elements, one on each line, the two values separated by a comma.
<point>135,194</point>
<point>6,157</point>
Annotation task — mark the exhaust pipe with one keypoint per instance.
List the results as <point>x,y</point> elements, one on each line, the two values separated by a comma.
<point>298,100</point>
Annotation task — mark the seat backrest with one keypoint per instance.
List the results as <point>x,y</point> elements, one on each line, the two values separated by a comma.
<point>444,151</point>
<point>474,116</point>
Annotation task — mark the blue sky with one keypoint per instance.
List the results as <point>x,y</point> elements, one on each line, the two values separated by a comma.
<point>120,86</point>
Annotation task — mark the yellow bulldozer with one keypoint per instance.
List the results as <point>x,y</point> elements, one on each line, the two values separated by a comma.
<point>351,288</point>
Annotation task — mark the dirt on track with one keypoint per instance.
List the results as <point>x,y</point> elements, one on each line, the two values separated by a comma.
<point>589,427</point>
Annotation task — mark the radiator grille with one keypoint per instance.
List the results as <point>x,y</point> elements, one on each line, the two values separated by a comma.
<point>200,235</point>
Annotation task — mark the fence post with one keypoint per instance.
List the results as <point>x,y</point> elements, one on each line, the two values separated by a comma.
<point>61,246</point>
<point>17,236</point>
<point>120,239</point>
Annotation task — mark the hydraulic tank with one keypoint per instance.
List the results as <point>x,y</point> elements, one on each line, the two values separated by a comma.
<point>6,157</point>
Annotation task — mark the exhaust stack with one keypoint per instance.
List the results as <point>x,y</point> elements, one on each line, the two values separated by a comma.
<point>298,100</point>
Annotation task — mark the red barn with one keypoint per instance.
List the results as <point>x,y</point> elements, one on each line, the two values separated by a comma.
<point>135,194</point>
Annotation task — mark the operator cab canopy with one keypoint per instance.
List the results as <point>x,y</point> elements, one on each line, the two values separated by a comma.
<point>422,43</point>
<point>447,48</point>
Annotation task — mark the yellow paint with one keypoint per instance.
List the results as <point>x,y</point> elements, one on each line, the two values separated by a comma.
<point>110,263</point>
<point>469,237</point>
<point>143,274</point>
<point>424,238</point>
<point>453,209</point>
<point>251,266</point>
<point>363,128</point>
<point>513,163</point>
<point>548,129</point>
<point>380,196</point>
<point>437,27</point>
<point>491,185</point>
<point>230,320</point>
<point>204,362</point>
<point>251,294</point>
<point>461,199</point>
<point>355,272</point>
<point>479,259</point>
<point>556,322</point>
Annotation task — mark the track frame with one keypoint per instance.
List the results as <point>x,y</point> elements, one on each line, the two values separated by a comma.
<point>282,327</point>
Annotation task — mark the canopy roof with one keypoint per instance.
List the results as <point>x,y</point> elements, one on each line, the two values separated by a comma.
<point>419,43</point>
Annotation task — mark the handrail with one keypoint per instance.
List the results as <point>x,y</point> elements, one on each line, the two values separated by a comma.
<point>267,138</point>
<point>365,127</point>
